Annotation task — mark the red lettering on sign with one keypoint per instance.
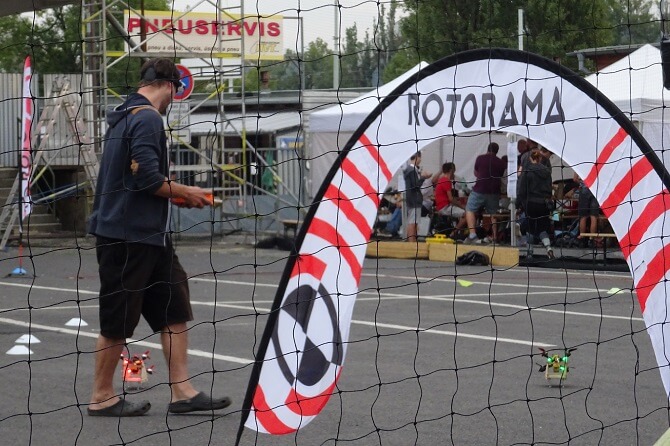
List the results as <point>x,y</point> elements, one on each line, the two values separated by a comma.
<point>233,28</point>
<point>167,26</point>
<point>274,29</point>
<point>201,27</point>
<point>133,23</point>
<point>250,27</point>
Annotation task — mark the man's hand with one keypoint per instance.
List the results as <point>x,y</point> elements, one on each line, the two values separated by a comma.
<point>193,197</point>
<point>185,196</point>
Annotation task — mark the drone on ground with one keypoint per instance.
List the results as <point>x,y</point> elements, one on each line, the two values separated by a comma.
<point>556,366</point>
<point>134,370</point>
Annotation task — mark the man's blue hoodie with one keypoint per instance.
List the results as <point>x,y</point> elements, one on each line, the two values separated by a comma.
<point>134,165</point>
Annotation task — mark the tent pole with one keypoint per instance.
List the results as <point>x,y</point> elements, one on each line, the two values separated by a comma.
<point>512,207</point>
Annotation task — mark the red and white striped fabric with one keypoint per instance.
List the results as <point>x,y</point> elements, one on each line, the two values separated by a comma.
<point>305,358</point>
<point>305,343</point>
<point>26,143</point>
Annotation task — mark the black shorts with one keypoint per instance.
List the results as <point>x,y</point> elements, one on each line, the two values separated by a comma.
<point>588,205</point>
<point>140,280</point>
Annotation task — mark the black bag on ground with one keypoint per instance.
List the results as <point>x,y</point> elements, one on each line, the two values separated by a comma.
<point>473,258</point>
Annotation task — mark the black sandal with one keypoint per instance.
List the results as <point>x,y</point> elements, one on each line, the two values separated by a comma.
<point>200,402</point>
<point>121,408</point>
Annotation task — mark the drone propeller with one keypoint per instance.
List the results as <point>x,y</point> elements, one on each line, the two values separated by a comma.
<point>544,352</point>
<point>570,350</point>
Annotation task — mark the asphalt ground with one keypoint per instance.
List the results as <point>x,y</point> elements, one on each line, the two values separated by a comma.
<point>431,360</point>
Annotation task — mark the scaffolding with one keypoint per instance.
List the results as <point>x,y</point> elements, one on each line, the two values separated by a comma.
<point>110,45</point>
<point>63,140</point>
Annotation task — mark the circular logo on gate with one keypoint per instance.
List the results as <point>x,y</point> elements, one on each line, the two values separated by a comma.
<point>186,81</point>
<point>312,340</point>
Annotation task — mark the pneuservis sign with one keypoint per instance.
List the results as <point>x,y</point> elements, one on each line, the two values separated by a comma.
<point>200,32</point>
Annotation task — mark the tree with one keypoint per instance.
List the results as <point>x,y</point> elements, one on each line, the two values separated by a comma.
<point>386,37</point>
<point>557,28</point>
<point>52,38</point>
<point>318,65</point>
<point>370,64</point>
<point>635,22</point>
<point>402,61</point>
<point>361,63</point>
<point>438,28</point>
<point>381,47</point>
<point>350,60</point>
<point>286,74</point>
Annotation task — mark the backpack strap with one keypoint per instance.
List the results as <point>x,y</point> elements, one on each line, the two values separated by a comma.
<point>136,110</point>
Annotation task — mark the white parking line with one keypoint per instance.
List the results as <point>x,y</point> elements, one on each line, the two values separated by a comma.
<point>451,298</point>
<point>47,288</point>
<point>154,345</point>
<point>246,307</point>
<point>398,327</point>
<point>453,333</point>
<point>425,280</point>
<point>489,283</point>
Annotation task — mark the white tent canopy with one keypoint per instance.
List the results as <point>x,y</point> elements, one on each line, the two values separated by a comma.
<point>635,85</point>
<point>347,117</point>
<point>330,129</point>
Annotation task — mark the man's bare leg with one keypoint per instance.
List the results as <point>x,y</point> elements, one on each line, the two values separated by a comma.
<point>107,353</point>
<point>411,232</point>
<point>174,339</point>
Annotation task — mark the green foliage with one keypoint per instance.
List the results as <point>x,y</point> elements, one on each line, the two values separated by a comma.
<point>122,78</point>
<point>50,39</point>
<point>53,39</point>
<point>634,22</point>
<point>318,65</point>
<point>401,61</point>
<point>438,28</point>
<point>351,73</point>
<point>556,28</point>
<point>429,30</point>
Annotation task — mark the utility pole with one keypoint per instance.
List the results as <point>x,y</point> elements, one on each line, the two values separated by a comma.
<point>336,46</point>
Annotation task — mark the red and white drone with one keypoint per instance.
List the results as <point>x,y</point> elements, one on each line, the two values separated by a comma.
<point>134,369</point>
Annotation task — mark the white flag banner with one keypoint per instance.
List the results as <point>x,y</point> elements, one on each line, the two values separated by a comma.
<point>512,156</point>
<point>303,350</point>
<point>26,143</point>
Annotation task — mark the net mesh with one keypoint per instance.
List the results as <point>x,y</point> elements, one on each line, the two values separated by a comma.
<point>522,349</point>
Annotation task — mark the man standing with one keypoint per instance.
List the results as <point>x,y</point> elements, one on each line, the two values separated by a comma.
<point>413,196</point>
<point>140,274</point>
<point>489,170</point>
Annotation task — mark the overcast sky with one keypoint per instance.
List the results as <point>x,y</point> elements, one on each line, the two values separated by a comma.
<point>317,15</point>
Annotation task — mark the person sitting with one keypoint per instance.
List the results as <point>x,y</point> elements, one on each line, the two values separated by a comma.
<point>395,223</point>
<point>588,211</point>
<point>446,203</point>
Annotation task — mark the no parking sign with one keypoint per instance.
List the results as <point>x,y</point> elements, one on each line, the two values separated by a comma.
<point>187,81</point>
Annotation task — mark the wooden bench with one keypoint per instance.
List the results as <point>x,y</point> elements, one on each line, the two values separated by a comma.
<point>598,234</point>
<point>595,235</point>
<point>290,225</point>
